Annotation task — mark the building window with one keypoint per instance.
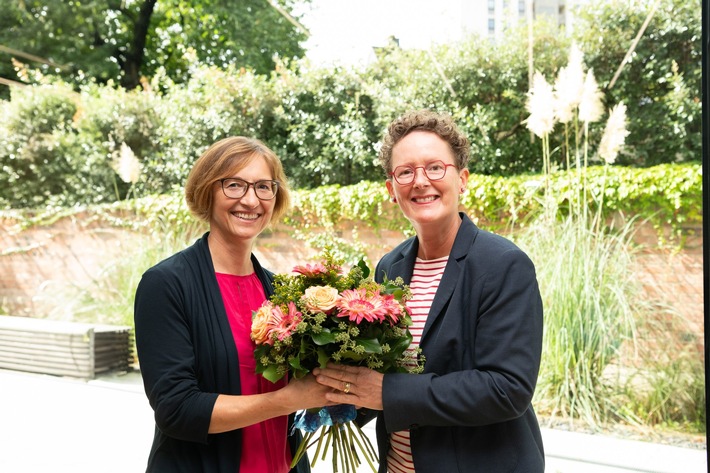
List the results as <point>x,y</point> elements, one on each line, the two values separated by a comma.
<point>491,6</point>
<point>491,26</point>
<point>521,7</point>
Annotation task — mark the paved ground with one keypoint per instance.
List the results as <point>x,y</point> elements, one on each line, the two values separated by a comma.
<point>105,426</point>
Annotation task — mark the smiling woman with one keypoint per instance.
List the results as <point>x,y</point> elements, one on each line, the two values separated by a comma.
<point>476,317</point>
<point>193,316</point>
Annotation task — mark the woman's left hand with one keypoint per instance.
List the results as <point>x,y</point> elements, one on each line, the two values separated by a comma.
<point>359,386</point>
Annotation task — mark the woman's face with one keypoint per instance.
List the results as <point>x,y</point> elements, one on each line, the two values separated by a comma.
<point>425,202</point>
<point>246,217</point>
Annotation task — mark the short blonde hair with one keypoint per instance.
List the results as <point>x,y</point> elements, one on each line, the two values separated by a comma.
<point>224,159</point>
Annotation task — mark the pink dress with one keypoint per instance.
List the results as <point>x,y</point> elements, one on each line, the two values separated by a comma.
<point>264,445</point>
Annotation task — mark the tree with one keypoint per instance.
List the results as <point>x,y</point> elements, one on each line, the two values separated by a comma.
<point>123,41</point>
<point>660,83</point>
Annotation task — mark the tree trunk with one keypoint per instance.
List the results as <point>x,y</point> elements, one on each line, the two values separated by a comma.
<point>131,67</point>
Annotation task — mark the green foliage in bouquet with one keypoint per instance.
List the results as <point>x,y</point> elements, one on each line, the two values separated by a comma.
<point>319,315</point>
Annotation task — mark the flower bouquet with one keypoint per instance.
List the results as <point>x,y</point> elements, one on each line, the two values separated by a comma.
<point>318,315</point>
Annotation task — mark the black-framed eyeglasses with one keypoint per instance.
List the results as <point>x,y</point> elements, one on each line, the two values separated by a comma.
<point>236,188</point>
<point>434,171</point>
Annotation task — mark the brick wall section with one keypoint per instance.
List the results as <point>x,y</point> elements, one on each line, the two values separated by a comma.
<point>35,263</point>
<point>72,252</point>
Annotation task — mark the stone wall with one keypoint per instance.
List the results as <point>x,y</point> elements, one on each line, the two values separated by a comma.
<point>36,263</point>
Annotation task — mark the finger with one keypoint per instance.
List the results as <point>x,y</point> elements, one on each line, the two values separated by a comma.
<point>341,372</point>
<point>338,375</point>
<point>343,368</point>
<point>337,397</point>
<point>335,383</point>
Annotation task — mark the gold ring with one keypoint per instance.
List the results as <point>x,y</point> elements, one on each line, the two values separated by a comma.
<point>347,388</point>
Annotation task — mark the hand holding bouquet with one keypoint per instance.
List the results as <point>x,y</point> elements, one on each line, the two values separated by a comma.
<point>320,315</point>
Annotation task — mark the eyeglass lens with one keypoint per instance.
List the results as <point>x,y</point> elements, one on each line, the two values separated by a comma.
<point>235,188</point>
<point>433,171</point>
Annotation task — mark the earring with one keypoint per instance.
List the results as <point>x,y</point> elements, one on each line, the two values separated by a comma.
<point>394,199</point>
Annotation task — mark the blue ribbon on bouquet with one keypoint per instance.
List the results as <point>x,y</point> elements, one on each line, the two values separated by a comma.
<point>311,420</point>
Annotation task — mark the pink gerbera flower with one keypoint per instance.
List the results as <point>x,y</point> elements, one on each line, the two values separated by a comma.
<point>392,308</point>
<point>357,305</point>
<point>311,270</point>
<point>284,324</point>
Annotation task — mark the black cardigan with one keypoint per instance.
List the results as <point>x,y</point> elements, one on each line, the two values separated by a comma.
<point>187,357</point>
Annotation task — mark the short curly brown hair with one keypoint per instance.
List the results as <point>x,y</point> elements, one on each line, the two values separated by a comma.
<point>223,159</point>
<point>425,120</point>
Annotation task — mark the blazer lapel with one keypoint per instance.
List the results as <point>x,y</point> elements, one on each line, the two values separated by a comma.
<point>464,240</point>
<point>404,265</point>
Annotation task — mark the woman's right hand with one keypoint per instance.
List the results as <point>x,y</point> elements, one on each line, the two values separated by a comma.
<point>307,393</point>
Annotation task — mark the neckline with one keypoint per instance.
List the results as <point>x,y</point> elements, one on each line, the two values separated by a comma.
<point>240,276</point>
<point>434,260</point>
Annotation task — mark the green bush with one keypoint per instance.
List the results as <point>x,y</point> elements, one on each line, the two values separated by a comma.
<point>326,123</point>
<point>323,126</point>
<point>661,81</point>
<point>34,143</point>
<point>212,105</point>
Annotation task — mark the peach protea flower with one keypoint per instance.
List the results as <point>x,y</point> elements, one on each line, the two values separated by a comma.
<point>393,308</point>
<point>310,270</point>
<point>357,305</point>
<point>320,298</point>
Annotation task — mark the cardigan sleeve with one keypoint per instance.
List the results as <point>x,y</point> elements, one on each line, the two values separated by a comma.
<point>167,358</point>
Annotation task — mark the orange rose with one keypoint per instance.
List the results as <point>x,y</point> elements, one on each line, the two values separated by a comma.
<point>261,325</point>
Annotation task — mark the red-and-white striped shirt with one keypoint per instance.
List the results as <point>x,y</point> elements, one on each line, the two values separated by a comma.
<point>425,282</point>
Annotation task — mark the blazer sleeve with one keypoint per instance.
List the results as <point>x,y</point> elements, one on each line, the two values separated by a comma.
<point>483,358</point>
<point>167,358</point>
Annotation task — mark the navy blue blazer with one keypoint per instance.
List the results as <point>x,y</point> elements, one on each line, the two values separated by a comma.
<point>187,357</point>
<point>470,411</point>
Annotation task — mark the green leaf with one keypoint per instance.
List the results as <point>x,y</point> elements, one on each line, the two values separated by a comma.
<point>370,345</point>
<point>351,355</point>
<point>323,338</point>
<point>364,268</point>
<point>271,373</point>
<point>400,345</point>
<point>323,358</point>
<point>300,373</point>
<point>295,363</point>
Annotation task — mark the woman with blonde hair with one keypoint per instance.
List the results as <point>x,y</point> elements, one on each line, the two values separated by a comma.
<point>193,315</point>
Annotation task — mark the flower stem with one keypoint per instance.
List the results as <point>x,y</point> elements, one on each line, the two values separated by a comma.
<point>302,447</point>
<point>365,446</point>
